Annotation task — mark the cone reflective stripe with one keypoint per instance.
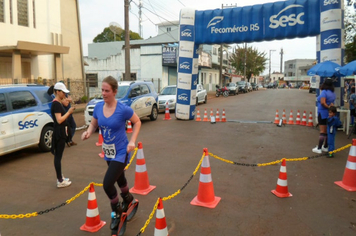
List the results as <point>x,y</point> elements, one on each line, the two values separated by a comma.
<point>282,184</point>
<point>223,117</point>
<point>290,121</point>
<point>142,185</point>
<point>310,120</point>
<point>167,115</point>
<point>100,140</point>
<point>349,180</point>
<point>297,120</point>
<point>284,119</point>
<point>161,225</point>
<point>217,116</point>
<point>205,116</point>
<point>276,118</point>
<point>206,196</point>
<point>198,116</point>
<point>304,119</point>
<point>93,222</point>
<point>129,127</point>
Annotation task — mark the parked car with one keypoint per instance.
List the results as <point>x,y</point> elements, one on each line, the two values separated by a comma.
<point>201,96</point>
<point>167,95</point>
<point>249,87</point>
<point>25,118</point>
<point>141,96</point>
<point>242,86</point>
<point>232,88</point>
<point>254,86</point>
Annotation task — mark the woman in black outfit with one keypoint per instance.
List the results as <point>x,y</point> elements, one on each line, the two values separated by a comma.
<point>60,131</point>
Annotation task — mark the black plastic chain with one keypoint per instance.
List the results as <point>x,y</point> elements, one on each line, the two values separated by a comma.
<point>51,209</point>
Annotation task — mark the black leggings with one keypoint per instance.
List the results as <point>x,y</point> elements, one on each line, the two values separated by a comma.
<point>114,173</point>
<point>58,153</point>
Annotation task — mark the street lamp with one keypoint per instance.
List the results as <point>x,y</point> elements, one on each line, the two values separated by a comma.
<point>271,50</point>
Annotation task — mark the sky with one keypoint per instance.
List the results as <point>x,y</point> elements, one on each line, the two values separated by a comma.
<point>95,15</point>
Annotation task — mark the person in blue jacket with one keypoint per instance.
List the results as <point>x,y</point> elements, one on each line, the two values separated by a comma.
<point>333,123</point>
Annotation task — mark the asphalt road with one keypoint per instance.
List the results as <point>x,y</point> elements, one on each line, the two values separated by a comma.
<point>172,150</point>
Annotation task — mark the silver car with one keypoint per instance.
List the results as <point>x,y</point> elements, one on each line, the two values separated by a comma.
<point>167,95</point>
<point>232,88</point>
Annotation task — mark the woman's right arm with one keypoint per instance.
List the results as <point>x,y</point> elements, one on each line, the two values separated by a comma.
<point>91,129</point>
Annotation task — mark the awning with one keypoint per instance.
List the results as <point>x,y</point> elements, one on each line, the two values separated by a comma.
<point>34,48</point>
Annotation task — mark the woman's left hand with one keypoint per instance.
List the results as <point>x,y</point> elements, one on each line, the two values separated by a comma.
<point>130,147</point>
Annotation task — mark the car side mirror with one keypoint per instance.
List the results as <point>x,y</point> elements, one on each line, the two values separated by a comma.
<point>133,94</point>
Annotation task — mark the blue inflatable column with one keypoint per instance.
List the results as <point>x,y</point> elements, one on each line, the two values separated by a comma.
<point>187,66</point>
<point>332,45</point>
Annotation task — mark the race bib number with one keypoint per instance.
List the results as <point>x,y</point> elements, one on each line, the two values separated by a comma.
<point>109,150</point>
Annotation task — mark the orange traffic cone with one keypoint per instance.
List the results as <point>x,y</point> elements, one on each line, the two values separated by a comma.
<point>161,225</point>
<point>310,120</point>
<point>349,180</point>
<point>217,116</point>
<point>129,127</point>
<point>206,196</point>
<point>198,116</point>
<point>93,222</point>
<point>282,184</point>
<point>290,121</point>
<point>142,185</point>
<point>284,118</point>
<point>304,119</point>
<point>211,113</point>
<point>205,116</point>
<point>167,115</point>
<point>276,118</point>
<point>100,141</point>
<point>102,154</point>
<point>223,117</point>
<point>297,120</point>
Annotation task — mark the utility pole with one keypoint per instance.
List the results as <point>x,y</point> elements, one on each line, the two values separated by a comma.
<point>271,50</point>
<point>140,31</point>
<point>245,60</point>
<point>221,57</point>
<point>281,66</point>
<point>127,42</point>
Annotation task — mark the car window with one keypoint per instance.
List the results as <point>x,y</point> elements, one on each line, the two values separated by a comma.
<point>241,82</point>
<point>135,91</point>
<point>122,90</point>
<point>43,96</point>
<point>144,89</point>
<point>152,88</point>
<point>232,84</point>
<point>2,103</point>
<point>169,91</point>
<point>22,99</point>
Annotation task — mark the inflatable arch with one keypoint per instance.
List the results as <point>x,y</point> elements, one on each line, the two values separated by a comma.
<point>271,21</point>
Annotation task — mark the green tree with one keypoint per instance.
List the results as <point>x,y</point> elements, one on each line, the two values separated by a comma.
<point>350,32</point>
<point>255,61</point>
<point>108,36</point>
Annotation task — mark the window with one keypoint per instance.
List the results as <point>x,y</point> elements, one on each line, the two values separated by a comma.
<point>215,51</point>
<point>2,14</point>
<point>2,103</point>
<point>144,89</point>
<point>92,80</point>
<point>168,29</point>
<point>22,12</point>
<point>10,8</point>
<point>34,13</point>
<point>135,91</point>
<point>43,96</point>
<point>22,99</point>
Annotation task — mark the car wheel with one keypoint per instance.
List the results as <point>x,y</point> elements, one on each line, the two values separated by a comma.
<point>46,139</point>
<point>234,93</point>
<point>154,113</point>
<point>206,99</point>
<point>196,102</point>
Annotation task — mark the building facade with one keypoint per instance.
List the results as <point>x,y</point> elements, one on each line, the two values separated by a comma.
<point>295,71</point>
<point>41,41</point>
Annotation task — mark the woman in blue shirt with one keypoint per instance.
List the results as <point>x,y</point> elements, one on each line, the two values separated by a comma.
<point>324,101</point>
<point>111,116</point>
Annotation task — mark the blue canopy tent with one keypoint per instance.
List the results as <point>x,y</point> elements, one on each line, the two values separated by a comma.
<point>325,69</point>
<point>348,69</point>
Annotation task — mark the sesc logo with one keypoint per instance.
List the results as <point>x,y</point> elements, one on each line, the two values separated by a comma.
<point>27,124</point>
<point>284,20</point>
<point>195,82</point>
<point>185,66</point>
<point>332,39</point>
<point>186,33</point>
<point>183,97</point>
<point>330,2</point>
